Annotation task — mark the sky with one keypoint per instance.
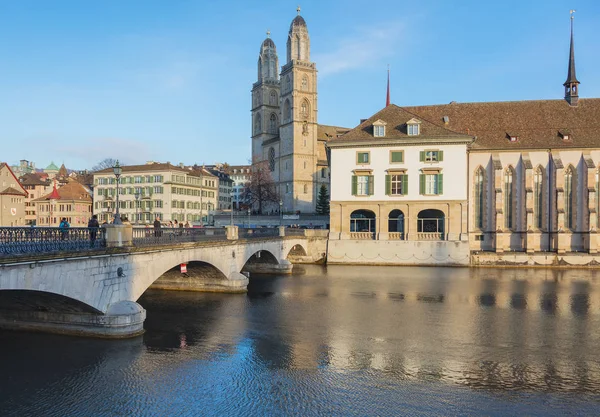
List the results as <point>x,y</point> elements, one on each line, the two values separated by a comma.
<point>170,80</point>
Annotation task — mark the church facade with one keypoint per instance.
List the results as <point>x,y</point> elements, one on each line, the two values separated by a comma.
<point>511,182</point>
<point>286,138</point>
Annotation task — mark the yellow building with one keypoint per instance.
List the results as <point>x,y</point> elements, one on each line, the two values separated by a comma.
<point>12,198</point>
<point>71,201</point>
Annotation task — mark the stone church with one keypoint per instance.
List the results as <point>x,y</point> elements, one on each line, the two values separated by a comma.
<point>286,138</point>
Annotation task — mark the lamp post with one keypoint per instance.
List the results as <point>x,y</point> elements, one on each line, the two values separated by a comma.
<point>137,204</point>
<point>249,211</point>
<point>117,170</point>
<point>280,212</point>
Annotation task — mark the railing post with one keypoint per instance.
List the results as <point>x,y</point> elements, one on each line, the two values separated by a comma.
<point>232,232</point>
<point>281,231</point>
<point>118,235</point>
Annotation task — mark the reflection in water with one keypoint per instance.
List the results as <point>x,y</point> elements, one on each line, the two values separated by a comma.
<point>332,341</point>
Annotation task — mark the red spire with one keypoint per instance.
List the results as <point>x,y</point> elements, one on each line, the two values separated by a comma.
<point>54,195</point>
<point>387,99</point>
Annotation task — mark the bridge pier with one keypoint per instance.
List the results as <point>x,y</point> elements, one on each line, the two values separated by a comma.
<point>122,320</point>
<point>235,283</point>
<point>283,267</point>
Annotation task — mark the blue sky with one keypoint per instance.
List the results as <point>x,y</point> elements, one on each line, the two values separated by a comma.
<point>137,80</point>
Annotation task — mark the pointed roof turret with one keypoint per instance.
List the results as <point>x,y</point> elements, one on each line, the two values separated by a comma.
<point>54,194</point>
<point>571,85</point>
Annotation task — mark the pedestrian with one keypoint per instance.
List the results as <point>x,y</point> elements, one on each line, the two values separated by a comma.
<point>157,225</point>
<point>64,226</point>
<point>93,226</point>
<point>187,224</point>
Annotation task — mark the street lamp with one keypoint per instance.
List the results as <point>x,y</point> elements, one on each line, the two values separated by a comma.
<point>117,170</point>
<point>137,204</point>
<point>249,211</point>
<point>280,212</point>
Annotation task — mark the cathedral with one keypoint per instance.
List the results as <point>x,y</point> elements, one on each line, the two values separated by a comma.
<point>286,139</point>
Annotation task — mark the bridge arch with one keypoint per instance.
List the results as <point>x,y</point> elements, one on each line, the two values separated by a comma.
<point>43,301</point>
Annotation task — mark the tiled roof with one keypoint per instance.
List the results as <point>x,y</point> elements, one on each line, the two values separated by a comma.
<point>325,132</point>
<point>537,124</point>
<point>12,191</point>
<point>32,179</point>
<point>156,166</point>
<point>73,191</point>
<point>395,119</point>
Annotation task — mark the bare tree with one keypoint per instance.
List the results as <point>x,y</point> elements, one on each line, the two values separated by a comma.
<point>105,163</point>
<point>260,189</point>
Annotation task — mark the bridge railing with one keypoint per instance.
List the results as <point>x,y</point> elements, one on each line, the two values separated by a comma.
<point>246,233</point>
<point>148,236</point>
<point>32,240</point>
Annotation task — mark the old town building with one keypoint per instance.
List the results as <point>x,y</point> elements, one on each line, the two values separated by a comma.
<point>70,201</point>
<point>12,198</point>
<point>36,185</point>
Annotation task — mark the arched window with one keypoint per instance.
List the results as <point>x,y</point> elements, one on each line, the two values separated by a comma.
<point>396,222</point>
<point>508,198</point>
<point>288,83</point>
<point>304,108</point>
<point>538,197</point>
<point>271,159</point>
<point>362,221</point>
<point>287,111</point>
<point>479,202</point>
<point>273,98</point>
<point>273,124</point>
<point>431,221</point>
<point>257,124</point>
<point>569,196</point>
<point>304,83</point>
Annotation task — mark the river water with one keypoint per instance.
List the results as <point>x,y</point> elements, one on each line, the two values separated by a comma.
<point>345,341</point>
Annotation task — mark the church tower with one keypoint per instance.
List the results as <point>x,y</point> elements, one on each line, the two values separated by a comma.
<point>571,85</point>
<point>298,127</point>
<point>265,100</point>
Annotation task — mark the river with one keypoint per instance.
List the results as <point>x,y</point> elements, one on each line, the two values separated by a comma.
<point>337,340</point>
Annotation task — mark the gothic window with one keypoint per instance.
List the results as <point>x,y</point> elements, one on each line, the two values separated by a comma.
<point>273,124</point>
<point>272,159</point>
<point>508,198</point>
<point>538,200</point>
<point>272,70</point>
<point>287,111</point>
<point>288,83</point>
<point>479,202</point>
<point>273,98</point>
<point>305,83</point>
<point>305,189</point>
<point>304,108</point>
<point>257,124</point>
<point>569,196</point>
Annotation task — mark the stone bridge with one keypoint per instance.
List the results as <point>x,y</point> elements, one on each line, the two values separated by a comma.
<point>96,293</point>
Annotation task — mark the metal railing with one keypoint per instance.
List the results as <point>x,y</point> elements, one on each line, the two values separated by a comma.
<point>32,240</point>
<point>258,232</point>
<point>149,236</point>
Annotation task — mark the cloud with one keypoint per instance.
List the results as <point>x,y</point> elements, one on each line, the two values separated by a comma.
<point>366,47</point>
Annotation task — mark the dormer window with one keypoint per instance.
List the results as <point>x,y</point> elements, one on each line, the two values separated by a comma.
<point>512,137</point>
<point>379,129</point>
<point>413,127</point>
<point>566,136</point>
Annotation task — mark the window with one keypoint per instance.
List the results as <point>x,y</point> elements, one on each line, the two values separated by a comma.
<point>538,197</point>
<point>431,156</point>
<point>287,111</point>
<point>362,157</point>
<point>479,198</point>
<point>305,189</point>
<point>287,188</point>
<point>257,124</point>
<point>288,83</point>
<point>362,221</point>
<point>304,109</point>
<point>304,83</point>
<point>412,129</point>
<point>396,156</point>
<point>323,172</point>
<point>273,98</point>
<point>379,131</point>
<point>271,159</point>
<point>508,198</point>
<point>273,124</point>
<point>569,215</point>
<point>362,185</point>
<point>431,184</point>
<point>396,184</point>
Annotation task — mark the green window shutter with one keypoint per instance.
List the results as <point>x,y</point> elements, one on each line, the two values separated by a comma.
<point>401,156</point>
<point>421,184</point>
<point>440,156</point>
<point>440,181</point>
<point>388,185</point>
<point>371,184</point>
<point>397,156</point>
<point>354,184</point>
<point>404,184</point>
<point>422,156</point>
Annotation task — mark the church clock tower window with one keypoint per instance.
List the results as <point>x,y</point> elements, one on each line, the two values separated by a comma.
<point>304,109</point>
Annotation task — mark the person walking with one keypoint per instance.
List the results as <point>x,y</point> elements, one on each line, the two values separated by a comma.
<point>93,226</point>
<point>63,226</point>
<point>157,226</point>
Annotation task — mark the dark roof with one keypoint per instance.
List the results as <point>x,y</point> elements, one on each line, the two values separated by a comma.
<point>268,43</point>
<point>571,78</point>
<point>298,21</point>
<point>395,119</point>
<point>12,191</point>
<point>538,124</point>
<point>326,132</point>
<point>70,191</point>
<point>32,179</point>
<point>156,166</point>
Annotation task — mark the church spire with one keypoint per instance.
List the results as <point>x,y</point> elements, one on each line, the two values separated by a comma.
<point>571,85</point>
<point>387,99</point>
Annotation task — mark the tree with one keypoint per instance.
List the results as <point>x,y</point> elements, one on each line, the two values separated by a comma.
<point>105,163</point>
<point>323,201</point>
<point>260,189</point>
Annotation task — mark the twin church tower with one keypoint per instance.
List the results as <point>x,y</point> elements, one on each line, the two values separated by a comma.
<point>284,122</point>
